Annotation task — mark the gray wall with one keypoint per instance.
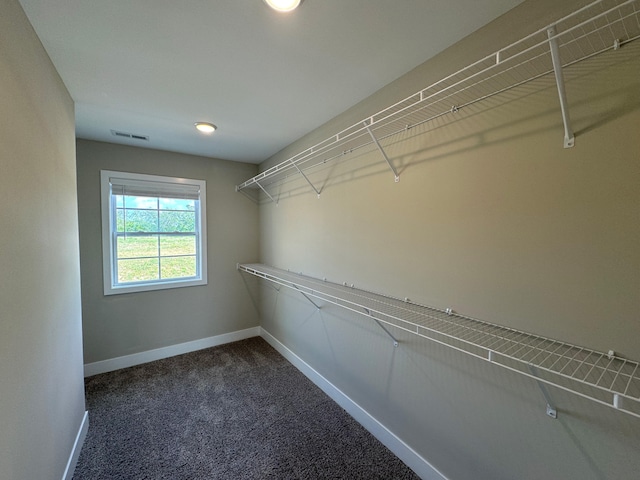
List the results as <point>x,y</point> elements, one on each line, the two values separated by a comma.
<point>495,219</point>
<point>41,384</point>
<point>119,325</point>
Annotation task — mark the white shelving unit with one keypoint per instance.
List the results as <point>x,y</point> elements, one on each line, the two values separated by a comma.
<point>601,377</point>
<point>600,26</point>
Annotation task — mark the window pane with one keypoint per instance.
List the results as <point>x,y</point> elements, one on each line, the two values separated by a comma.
<point>177,221</point>
<point>119,220</point>
<point>177,204</point>
<point>132,247</point>
<point>139,220</point>
<point>155,227</point>
<point>177,245</point>
<point>136,270</point>
<point>177,267</point>
<point>141,202</point>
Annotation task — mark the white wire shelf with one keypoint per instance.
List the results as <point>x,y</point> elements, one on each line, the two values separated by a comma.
<point>601,377</point>
<point>598,27</point>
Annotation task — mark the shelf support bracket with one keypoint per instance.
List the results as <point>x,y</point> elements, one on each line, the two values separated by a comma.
<point>306,296</point>
<point>266,193</point>
<point>375,140</point>
<point>246,195</point>
<point>306,178</point>
<point>551,409</point>
<point>395,342</point>
<point>569,138</point>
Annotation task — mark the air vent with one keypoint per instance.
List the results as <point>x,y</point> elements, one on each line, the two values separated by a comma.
<point>133,136</point>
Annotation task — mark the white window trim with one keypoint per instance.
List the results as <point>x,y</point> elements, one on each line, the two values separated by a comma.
<point>108,266</point>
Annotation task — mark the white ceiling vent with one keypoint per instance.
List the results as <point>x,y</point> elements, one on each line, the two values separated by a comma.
<point>132,136</point>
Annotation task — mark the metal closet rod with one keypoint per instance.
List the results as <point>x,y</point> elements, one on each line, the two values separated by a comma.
<point>601,377</point>
<point>521,51</point>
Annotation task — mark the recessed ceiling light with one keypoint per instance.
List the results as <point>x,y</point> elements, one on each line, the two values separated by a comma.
<point>283,5</point>
<point>206,127</point>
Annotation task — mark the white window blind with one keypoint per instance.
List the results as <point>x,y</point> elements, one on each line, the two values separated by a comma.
<point>149,188</point>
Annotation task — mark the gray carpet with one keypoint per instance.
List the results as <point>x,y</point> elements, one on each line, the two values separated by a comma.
<point>238,411</point>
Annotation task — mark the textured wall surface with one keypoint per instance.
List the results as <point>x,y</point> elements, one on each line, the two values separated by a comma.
<point>492,217</point>
<point>41,384</point>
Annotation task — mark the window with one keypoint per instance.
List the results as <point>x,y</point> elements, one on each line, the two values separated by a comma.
<point>153,232</point>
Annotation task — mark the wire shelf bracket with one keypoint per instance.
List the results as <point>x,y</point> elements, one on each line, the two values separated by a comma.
<point>306,296</point>
<point>597,27</point>
<point>265,191</point>
<point>307,179</point>
<point>569,138</point>
<point>384,154</point>
<point>369,314</point>
<point>551,410</point>
<point>603,378</point>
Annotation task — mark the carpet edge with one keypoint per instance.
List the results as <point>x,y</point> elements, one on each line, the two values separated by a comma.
<point>111,364</point>
<point>400,449</point>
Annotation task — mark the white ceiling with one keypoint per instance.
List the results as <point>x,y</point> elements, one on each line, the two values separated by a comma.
<point>154,67</point>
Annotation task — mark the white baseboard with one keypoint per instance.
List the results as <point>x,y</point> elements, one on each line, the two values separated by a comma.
<point>77,447</point>
<point>403,451</point>
<point>166,352</point>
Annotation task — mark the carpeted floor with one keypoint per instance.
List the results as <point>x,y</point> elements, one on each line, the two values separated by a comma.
<point>238,411</point>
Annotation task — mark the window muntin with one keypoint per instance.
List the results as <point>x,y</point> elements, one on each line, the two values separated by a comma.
<point>153,232</point>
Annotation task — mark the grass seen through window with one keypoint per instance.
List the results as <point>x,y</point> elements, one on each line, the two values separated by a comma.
<point>155,257</point>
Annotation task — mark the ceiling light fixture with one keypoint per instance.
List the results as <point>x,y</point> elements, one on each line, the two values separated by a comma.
<point>206,127</point>
<point>283,5</point>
